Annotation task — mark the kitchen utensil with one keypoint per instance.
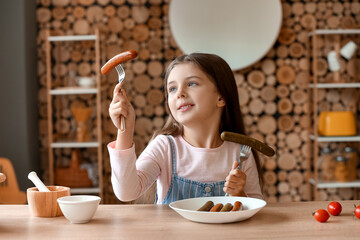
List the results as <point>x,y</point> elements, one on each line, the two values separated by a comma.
<point>85,81</point>
<point>82,116</point>
<point>244,154</point>
<point>80,208</point>
<point>44,204</point>
<point>348,50</point>
<point>37,182</point>
<point>121,75</point>
<point>245,140</point>
<point>187,208</point>
<point>115,62</point>
<point>334,61</point>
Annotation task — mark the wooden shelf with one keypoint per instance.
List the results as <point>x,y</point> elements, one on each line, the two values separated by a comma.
<point>321,184</point>
<point>75,145</point>
<point>72,38</point>
<point>336,139</point>
<point>93,190</point>
<point>335,85</point>
<point>73,90</point>
<point>315,74</point>
<point>335,31</point>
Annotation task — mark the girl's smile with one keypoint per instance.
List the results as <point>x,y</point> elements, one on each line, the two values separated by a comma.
<point>185,107</point>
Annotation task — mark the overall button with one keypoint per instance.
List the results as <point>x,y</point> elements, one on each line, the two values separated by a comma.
<point>208,189</point>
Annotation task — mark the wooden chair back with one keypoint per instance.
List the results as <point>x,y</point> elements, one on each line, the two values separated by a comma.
<point>9,189</point>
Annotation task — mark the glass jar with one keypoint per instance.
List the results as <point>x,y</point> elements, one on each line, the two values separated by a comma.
<point>351,155</point>
<point>341,170</point>
<point>328,164</point>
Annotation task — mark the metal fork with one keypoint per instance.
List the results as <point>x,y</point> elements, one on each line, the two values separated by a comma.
<point>121,75</point>
<point>244,154</point>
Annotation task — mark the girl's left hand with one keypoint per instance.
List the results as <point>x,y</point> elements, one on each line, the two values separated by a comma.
<point>235,182</point>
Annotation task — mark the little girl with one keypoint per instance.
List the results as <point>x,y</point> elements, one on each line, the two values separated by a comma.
<point>187,158</point>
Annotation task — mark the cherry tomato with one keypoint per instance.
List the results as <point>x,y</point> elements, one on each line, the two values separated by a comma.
<point>334,208</point>
<point>321,215</point>
<point>357,211</point>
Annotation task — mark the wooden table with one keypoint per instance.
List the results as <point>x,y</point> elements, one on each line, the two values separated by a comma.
<point>275,221</point>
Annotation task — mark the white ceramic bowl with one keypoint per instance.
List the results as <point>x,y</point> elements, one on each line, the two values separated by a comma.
<point>79,208</point>
<point>188,209</point>
<point>86,81</point>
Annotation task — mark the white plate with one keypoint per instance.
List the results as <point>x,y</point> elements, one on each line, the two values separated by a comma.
<point>188,209</point>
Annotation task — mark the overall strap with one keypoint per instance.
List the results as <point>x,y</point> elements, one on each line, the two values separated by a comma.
<point>169,198</point>
<point>173,162</point>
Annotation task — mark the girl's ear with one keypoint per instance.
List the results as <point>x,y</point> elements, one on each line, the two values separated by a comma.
<point>221,102</point>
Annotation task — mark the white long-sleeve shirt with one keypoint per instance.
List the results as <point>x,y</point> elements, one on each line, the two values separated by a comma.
<point>132,176</point>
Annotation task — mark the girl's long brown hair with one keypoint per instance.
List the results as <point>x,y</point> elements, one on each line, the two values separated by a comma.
<point>222,76</point>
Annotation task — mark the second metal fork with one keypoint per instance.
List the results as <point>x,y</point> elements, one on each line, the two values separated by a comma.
<point>121,75</point>
<point>244,154</point>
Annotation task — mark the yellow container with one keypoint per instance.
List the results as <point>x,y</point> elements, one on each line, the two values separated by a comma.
<point>337,124</point>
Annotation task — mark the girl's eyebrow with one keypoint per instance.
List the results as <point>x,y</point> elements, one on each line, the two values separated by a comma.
<point>171,82</point>
<point>187,78</point>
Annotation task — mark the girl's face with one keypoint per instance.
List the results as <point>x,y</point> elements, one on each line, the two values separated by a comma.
<point>192,96</point>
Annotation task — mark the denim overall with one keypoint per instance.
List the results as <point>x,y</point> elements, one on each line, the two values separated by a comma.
<point>183,188</point>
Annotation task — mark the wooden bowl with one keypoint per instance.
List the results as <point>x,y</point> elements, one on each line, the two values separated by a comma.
<point>44,204</point>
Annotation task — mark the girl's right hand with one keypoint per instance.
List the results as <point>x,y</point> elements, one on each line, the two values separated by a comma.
<point>235,181</point>
<point>120,106</point>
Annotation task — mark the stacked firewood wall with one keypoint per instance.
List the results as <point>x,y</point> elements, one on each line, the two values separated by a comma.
<point>273,92</point>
